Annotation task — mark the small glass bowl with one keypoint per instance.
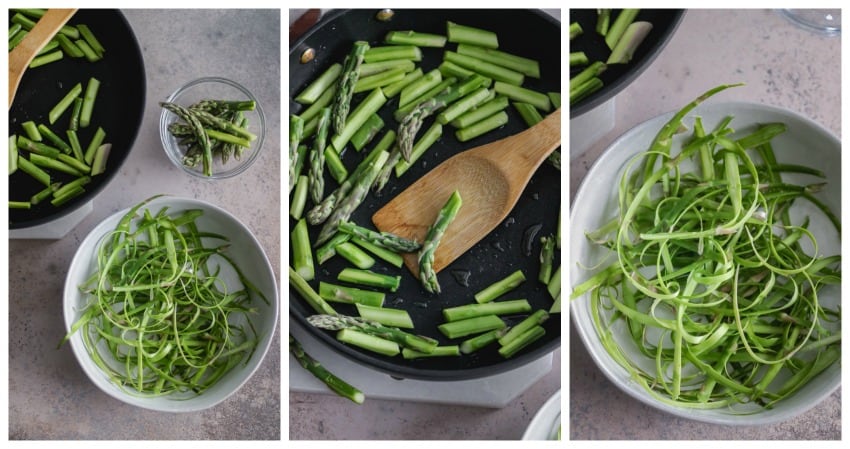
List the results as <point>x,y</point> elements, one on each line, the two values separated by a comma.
<point>213,88</point>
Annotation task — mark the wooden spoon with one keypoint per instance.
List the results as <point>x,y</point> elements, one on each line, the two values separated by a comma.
<point>489,178</point>
<point>19,58</point>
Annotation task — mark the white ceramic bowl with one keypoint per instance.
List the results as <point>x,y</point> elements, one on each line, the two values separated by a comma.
<point>246,253</point>
<point>804,142</point>
<point>213,88</point>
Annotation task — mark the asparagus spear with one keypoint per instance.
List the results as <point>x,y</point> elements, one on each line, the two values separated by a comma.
<point>201,135</point>
<point>339,322</point>
<point>526,338</point>
<point>385,239</point>
<point>336,384</point>
<point>218,107</point>
<point>500,287</point>
<point>427,275</point>
<point>345,84</point>
<point>219,123</point>
<point>317,157</point>
<point>306,291</point>
<point>368,342</point>
<point>547,254</point>
<point>387,170</point>
<point>296,130</point>
<point>353,199</point>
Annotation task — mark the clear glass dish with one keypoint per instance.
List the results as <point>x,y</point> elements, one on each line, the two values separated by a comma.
<point>213,88</point>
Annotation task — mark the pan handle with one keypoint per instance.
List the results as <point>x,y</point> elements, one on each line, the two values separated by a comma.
<point>303,20</point>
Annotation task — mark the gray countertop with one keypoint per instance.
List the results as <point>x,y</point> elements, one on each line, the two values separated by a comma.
<point>782,65</point>
<point>327,417</point>
<point>49,395</point>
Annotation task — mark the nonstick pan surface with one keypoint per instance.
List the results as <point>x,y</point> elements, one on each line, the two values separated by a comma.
<point>617,76</point>
<point>513,245</point>
<point>118,109</point>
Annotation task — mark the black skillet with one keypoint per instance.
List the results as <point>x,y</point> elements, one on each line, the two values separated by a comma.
<point>617,76</point>
<point>528,33</point>
<point>118,109</point>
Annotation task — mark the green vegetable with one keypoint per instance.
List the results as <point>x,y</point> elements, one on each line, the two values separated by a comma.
<point>392,52</point>
<point>395,88</point>
<point>740,275</point>
<point>355,255</point>
<point>618,28</point>
<point>526,338</point>
<point>39,61</point>
<point>390,257</point>
<point>500,287</point>
<point>481,112</point>
<point>463,312</point>
<point>485,68</point>
<point>386,316</point>
<point>482,127</point>
<point>317,157</point>
<point>352,200</point>
<point>364,110</point>
<point>415,38</point>
<point>309,295</point>
<point>374,329</point>
<point>369,278</point>
<point>475,343</point>
<point>384,239</point>
<point>333,382</point>
<point>299,197</point>
<point>526,66</point>
<point>439,351</point>
<point>302,255</point>
<point>345,86</point>
<point>315,89</point>
<point>575,30</point>
<point>471,326</point>
<point>350,295</point>
<point>64,103</point>
<point>155,336</point>
<point>88,102</point>
<point>524,95</point>
<point>463,34</point>
<point>447,214</point>
<point>369,342</point>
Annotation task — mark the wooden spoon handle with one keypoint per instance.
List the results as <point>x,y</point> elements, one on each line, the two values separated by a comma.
<point>19,58</point>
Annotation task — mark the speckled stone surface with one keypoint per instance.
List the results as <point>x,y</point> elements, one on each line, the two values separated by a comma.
<point>782,65</point>
<point>49,396</point>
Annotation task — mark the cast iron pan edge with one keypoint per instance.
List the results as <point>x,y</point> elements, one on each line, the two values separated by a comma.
<point>332,38</point>
<point>119,108</point>
<point>618,76</point>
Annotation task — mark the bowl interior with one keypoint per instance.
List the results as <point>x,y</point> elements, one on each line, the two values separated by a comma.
<point>246,253</point>
<point>213,88</point>
<point>804,143</point>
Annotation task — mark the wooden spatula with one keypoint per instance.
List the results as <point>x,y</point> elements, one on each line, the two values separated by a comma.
<point>489,178</point>
<point>19,58</point>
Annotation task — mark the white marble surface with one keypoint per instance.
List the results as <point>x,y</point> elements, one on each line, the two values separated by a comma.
<point>49,396</point>
<point>782,65</point>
